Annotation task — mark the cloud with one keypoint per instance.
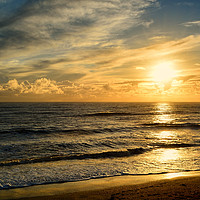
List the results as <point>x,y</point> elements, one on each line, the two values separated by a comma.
<point>45,86</point>
<point>147,23</point>
<point>47,63</point>
<point>116,57</point>
<point>193,23</point>
<point>186,78</point>
<point>107,87</point>
<point>66,24</point>
<point>130,82</point>
<point>98,64</point>
<point>110,63</point>
<point>158,38</point>
<point>40,86</point>
<point>140,68</point>
<point>50,90</point>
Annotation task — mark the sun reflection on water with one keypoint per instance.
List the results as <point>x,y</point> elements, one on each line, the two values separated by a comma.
<point>169,154</point>
<point>164,115</point>
<point>163,107</point>
<point>166,134</point>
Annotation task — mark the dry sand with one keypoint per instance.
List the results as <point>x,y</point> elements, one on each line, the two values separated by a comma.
<point>181,187</point>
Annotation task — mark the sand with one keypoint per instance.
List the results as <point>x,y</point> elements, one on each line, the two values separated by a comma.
<point>167,186</point>
<point>187,188</point>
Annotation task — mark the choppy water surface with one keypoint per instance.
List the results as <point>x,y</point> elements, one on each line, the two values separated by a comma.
<point>57,142</point>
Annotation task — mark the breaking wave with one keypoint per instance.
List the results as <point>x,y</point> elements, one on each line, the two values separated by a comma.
<point>107,154</point>
<point>99,155</point>
<point>175,125</point>
<point>174,145</point>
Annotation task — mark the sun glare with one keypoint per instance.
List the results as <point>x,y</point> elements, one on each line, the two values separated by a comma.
<point>163,72</point>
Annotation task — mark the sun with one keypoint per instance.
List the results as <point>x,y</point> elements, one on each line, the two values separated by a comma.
<point>163,72</point>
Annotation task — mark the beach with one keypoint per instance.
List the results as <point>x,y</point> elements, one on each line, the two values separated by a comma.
<point>99,99</point>
<point>164,186</point>
<point>98,150</point>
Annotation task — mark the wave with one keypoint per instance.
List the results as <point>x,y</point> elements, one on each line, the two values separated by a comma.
<point>25,131</point>
<point>49,131</point>
<point>174,145</point>
<point>45,131</point>
<point>99,155</point>
<point>107,154</point>
<point>175,125</point>
<point>9,186</point>
<point>104,114</point>
<point>29,131</point>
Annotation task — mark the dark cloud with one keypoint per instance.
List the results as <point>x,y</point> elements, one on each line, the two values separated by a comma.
<point>60,76</point>
<point>82,22</point>
<point>54,74</point>
<point>39,24</point>
<point>33,8</point>
<point>16,39</point>
<point>21,30</point>
<point>47,63</point>
<point>107,87</point>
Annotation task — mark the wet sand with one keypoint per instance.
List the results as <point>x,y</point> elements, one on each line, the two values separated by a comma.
<point>179,188</point>
<point>164,186</point>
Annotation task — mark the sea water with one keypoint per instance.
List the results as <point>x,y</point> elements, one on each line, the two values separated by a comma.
<point>44,143</point>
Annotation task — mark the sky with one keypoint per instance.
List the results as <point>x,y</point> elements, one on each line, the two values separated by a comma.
<point>99,50</point>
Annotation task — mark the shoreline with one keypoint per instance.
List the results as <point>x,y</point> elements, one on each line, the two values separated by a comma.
<point>86,188</point>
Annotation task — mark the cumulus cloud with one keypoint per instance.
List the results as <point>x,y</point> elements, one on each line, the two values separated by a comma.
<point>105,91</point>
<point>40,86</point>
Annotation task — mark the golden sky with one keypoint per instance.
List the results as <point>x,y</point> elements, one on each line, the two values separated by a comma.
<point>91,50</point>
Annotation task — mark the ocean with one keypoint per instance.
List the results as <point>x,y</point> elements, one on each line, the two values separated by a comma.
<point>43,143</point>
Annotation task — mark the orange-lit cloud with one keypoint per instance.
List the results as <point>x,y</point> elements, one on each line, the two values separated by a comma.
<point>96,50</point>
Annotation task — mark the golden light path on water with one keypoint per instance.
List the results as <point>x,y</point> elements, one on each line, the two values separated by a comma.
<point>163,113</point>
<point>169,155</point>
<point>164,116</point>
<point>166,135</point>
